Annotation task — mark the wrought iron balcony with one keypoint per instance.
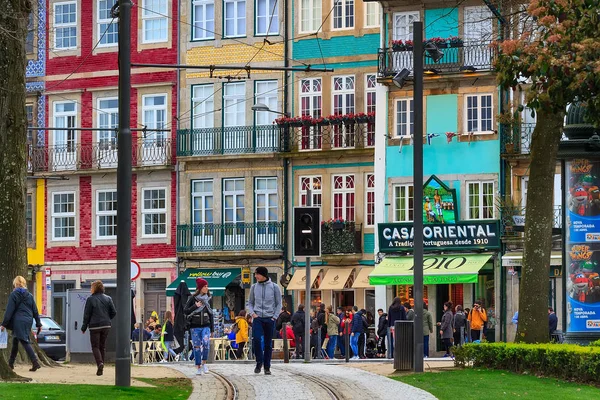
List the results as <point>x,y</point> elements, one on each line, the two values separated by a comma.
<point>471,57</point>
<point>516,138</point>
<point>316,137</point>
<point>228,140</point>
<point>341,238</point>
<point>99,155</point>
<point>230,237</point>
<point>513,220</point>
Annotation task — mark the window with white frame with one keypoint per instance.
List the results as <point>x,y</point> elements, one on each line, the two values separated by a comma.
<point>370,94</point>
<point>65,116</point>
<point>233,200</point>
<point>203,105</point>
<point>343,14</point>
<point>154,212</point>
<point>403,25</point>
<point>343,94</point>
<point>234,104</point>
<point>480,200</point>
<point>266,200</point>
<point>267,17</point>
<point>310,15</point>
<point>108,27</point>
<point>63,216</point>
<point>154,116</point>
<point>108,120</point>
<point>154,20</point>
<point>372,15</point>
<point>403,203</point>
<point>343,197</point>
<point>311,97</point>
<point>370,203</point>
<point>265,92</point>
<point>235,18</point>
<point>65,25</point>
<point>314,184</point>
<point>202,202</point>
<point>405,117</point>
<point>203,19</point>
<point>106,214</point>
<point>478,113</point>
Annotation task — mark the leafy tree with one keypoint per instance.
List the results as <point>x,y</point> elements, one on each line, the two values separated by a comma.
<point>555,63</point>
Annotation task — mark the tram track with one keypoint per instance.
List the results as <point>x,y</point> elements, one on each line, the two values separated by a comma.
<point>231,392</point>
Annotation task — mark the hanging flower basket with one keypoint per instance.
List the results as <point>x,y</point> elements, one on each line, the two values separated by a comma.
<point>361,117</point>
<point>336,119</point>
<point>455,41</point>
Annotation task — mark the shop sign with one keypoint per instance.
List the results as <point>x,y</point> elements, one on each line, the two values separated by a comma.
<point>399,237</point>
<point>211,274</point>
<point>583,245</point>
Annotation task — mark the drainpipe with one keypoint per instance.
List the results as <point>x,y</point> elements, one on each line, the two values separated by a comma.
<point>177,111</point>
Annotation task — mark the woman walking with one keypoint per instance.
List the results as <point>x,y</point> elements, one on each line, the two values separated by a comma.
<point>333,323</point>
<point>168,337</point>
<point>99,311</point>
<point>20,312</point>
<point>199,315</point>
<point>446,329</point>
<point>241,337</point>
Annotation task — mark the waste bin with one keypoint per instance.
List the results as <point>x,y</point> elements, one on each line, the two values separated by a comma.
<point>404,346</point>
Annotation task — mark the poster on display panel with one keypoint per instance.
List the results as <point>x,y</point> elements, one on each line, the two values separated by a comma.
<point>582,181</point>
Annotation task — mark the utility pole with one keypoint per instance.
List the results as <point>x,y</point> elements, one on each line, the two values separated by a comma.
<point>418,194</point>
<point>307,298</point>
<point>123,323</point>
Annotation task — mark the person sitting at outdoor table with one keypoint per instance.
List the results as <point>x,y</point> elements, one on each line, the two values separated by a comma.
<point>135,335</point>
<point>232,343</point>
<point>156,333</point>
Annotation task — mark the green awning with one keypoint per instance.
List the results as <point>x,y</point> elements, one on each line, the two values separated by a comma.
<point>217,278</point>
<point>437,269</point>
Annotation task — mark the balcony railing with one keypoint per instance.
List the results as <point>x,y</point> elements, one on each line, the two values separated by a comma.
<point>102,155</point>
<point>513,220</point>
<point>341,238</point>
<point>516,138</point>
<point>228,140</point>
<point>230,237</point>
<point>471,57</point>
<point>345,135</point>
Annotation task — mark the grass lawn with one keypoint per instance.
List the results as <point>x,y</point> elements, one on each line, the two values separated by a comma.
<point>491,384</point>
<point>167,388</point>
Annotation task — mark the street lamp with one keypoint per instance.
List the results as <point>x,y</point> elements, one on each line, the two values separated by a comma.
<point>264,107</point>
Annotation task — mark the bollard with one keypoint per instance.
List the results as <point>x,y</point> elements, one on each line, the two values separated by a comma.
<point>404,346</point>
<point>318,347</point>
<point>286,351</point>
<point>141,348</point>
<point>347,340</point>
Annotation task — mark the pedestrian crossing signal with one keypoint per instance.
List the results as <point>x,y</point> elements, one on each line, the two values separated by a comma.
<point>307,231</point>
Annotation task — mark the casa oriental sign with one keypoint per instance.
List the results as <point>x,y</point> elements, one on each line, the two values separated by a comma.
<point>399,237</point>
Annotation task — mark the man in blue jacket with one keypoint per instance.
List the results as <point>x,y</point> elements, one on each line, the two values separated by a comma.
<point>356,331</point>
<point>264,304</point>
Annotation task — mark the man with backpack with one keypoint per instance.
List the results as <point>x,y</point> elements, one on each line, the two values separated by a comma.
<point>298,325</point>
<point>358,328</point>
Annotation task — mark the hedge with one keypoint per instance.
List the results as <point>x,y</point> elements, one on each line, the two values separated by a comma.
<point>564,361</point>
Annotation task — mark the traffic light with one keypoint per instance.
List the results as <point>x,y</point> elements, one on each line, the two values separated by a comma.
<point>307,231</point>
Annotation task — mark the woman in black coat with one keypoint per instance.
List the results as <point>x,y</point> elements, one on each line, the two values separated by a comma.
<point>20,312</point>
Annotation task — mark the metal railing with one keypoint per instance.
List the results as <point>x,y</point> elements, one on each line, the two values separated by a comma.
<point>98,155</point>
<point>472,56</point>
<point>343,238</point>
<point>344,135</point>
<point>516,138</point>
<point>512,220</point>
<point>228,140</point>
<point>230,237</point>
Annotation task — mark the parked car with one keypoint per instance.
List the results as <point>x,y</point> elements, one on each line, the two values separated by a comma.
<point>52,338</point>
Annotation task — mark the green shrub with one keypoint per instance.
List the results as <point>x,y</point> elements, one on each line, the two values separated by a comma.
<point>595,343</point>
<point>565,361</point>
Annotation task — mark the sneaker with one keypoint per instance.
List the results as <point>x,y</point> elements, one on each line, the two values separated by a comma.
<point>177,357</point>
<point>200,371</point>
<point>267,371</point>
<point>258,368</point>
<point>35,367</point>
<point>446,355</point>
<point>163,361</point>
<point>205,368</point>
<point>100,370</point>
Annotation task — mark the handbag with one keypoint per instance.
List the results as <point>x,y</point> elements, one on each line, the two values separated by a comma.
<point>175,343</point>
<point>3,339</point>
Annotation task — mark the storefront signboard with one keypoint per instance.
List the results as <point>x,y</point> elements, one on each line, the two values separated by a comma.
<point>583,245</point>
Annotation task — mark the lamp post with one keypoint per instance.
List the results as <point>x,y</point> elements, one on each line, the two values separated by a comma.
<point>265,108</point>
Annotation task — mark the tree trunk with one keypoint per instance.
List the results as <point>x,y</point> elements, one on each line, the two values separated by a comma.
<point>13,137</point>
<point>533,293</point>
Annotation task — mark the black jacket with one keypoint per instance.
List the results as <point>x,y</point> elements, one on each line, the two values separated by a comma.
<point>396,314</point>
<point>20,313</point>
<point>135,335</point>
<point>552,322</point>
<point>169,332</point>
<point>99,310</point>
<point>283,318</point>
<point>383,325</point>
<point>190,307</point>
<point>298,324</point>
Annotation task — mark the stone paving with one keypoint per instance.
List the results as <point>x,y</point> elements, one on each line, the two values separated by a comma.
<point>296,382</point>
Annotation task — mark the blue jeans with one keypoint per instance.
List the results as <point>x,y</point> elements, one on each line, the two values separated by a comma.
<point>341,345</point>
<point>262,337</point>
<point>169,350</point>
<point>201,342</point>
<point>354,344</point>
<point>331,346</point>
<point>426,345</point>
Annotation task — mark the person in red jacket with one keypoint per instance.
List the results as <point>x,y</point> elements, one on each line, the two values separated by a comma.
<point>290,335</point>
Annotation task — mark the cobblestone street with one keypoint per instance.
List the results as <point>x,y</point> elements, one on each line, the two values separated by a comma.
<point>297,382</point>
